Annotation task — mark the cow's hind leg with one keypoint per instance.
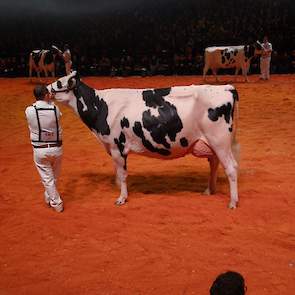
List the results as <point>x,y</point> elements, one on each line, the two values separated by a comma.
<point>211,189</point>
<point>202,150</point>
<point>231,170</point>
<point>205,70</point>
<point>121,175</point>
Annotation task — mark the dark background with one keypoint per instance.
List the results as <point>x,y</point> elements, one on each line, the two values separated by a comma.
<point>142,37</point>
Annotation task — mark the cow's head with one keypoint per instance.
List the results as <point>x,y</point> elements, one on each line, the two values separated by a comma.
<point>55,51</point>
<point>63,88</point>
<point>253,49</point>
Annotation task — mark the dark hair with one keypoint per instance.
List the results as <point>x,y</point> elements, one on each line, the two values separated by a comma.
<point>228,283</point>
<point>40,91</point>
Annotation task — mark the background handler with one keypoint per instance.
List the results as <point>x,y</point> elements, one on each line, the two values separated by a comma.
<point>46,138</point>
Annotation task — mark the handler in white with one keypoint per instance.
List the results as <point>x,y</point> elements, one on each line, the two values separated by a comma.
<point>67,59</point>
<point>265,59</point>
<point>46,137</point>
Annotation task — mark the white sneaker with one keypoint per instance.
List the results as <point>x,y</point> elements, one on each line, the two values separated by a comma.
<point>58,208</point>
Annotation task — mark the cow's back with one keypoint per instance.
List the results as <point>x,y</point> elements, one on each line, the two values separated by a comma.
<point>163,122</point>
<point>223,56</point>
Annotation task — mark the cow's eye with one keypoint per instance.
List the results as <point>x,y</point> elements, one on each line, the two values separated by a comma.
<point>59,85</point>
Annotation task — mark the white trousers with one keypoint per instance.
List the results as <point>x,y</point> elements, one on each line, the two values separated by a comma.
<point>265,67</point>
<point>48,164</point>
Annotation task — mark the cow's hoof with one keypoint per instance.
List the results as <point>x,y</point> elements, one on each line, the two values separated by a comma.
<point>208,192</point>
<point>120,202</point>
<point>232,205</point>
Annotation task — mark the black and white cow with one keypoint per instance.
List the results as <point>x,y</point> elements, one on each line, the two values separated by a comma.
<point>238,57</point>
<point>162,123</point>
<point>42,60</point>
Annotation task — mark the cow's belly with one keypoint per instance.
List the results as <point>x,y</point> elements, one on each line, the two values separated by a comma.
<point>202,150</point>
<point>174,153</point>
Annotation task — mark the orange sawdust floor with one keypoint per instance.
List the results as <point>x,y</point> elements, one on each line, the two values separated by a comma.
<point>169,238</point>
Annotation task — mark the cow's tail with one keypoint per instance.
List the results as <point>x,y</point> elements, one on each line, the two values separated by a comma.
<point>235,115</point>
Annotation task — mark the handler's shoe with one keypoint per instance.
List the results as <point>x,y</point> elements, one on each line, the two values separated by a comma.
<point>58,208</point>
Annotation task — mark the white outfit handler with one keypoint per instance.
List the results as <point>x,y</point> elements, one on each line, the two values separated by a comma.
<point>265,59</point>
<point>46,138</point>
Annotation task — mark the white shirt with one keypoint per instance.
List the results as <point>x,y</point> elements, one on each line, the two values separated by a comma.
<point>48,130</point>
<point>67,56</point>
<point>266,49</point>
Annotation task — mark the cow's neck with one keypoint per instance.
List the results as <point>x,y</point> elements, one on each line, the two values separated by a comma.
<point>92,109</point>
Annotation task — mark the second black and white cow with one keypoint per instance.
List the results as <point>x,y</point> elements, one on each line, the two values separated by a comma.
<point>238,57</point>
<point>42,60</point>
<point>162,123</point>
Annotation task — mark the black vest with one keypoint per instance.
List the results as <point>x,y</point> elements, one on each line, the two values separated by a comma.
<point>39,125</point>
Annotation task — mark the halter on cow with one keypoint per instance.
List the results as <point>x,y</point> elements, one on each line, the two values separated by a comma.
<point>162,123</point>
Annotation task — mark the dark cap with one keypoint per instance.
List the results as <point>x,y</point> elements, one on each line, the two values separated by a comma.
<point>40,91</point>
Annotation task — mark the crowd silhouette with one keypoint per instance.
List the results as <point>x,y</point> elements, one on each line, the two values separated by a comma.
<point>161,38</point>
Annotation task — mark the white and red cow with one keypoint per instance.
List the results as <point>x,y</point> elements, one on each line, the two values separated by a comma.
<point>42,60</point>
<point>226,57</point>
<point>162,123</point>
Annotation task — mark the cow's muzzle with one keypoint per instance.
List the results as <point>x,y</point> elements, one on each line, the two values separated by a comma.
<point>58,91</point>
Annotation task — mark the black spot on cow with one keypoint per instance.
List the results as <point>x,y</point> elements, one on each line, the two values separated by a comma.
<point>48,58</point>
<point>225,110</point>
<point>227,54</point>
<point>124,123</point>
<point>167,123</point>
<point>59,84</point>
<point>137,129</point>
<point>95,117</point>
<point>154,98</point>
<point>120,142</point>
<point>230,129</point>
<point>235,94</point>
<point>183,142</point>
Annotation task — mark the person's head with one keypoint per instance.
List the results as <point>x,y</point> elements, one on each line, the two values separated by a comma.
<point>66,47</point>
<point>41,93</point>
<point>265,39</point>
<point>228,283</point>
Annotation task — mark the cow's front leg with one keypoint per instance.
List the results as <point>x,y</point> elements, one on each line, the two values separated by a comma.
<point>214,71</point>
<point>245,71</point>
<point>121,175</point>
<point>211,189</point>
<point>236,73</point>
